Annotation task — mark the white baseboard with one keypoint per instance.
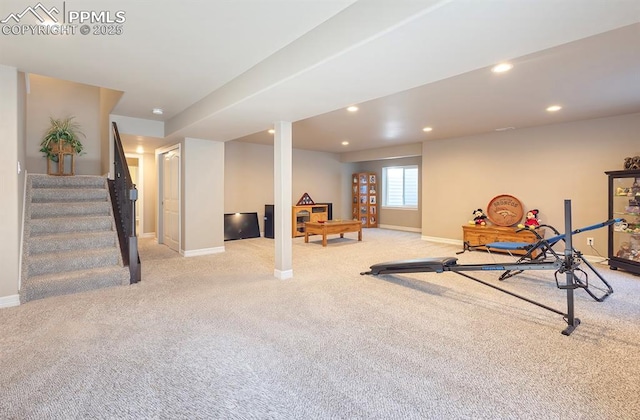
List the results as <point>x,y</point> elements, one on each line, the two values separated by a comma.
<point>9,301</point>
<point>283,274</point>
<point>203,251</point>
<point>595,259</point>
<point>442,240</point>
<point>147,235</point>
<point>402,228</point>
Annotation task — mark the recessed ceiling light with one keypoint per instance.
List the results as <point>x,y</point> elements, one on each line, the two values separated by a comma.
<point>158,111</point>
<point>139,149</point>
<point>345,143</point>
<point>352,108</point>
<point>502,67</point>
<point>427,129</point>
<point>554,108</point>
<point>272,131</point>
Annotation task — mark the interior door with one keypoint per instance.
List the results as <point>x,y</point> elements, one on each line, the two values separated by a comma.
<point>171,200</point>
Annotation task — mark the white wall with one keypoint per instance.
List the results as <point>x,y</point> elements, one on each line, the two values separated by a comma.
<point>22,152</point>
<point>108,100</point>
<point>10,210</point>
<point>407,219</point>
<point>249,179</point>
<point>150,184</point>
<point>541,166</point>
<point>320,175</point>
<point>138,126</point>
<point>202,196</point>
<point>58,99</point>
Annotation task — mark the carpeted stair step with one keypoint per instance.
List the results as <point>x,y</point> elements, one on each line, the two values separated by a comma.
<point>55,225</point>
<point>43,286</point>
<point>78,181</point>
<point>72,261</point>
<point>61,195</point>
<point>71,244</point>
<point>73,241</point>
<point>45,210</point>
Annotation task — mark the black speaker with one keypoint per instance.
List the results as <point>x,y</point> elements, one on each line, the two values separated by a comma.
<point>268,221</point>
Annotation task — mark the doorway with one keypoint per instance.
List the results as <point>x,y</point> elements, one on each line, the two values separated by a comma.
<point>169,230</point>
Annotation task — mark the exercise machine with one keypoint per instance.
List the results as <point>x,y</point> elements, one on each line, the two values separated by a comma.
<point>542,250</point>
<point>563,264</point>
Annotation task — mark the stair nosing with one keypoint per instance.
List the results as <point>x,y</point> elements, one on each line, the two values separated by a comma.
<point>74,253</point>
<point>76,234</point>
<point>69,219</point>
<point>66,274</point>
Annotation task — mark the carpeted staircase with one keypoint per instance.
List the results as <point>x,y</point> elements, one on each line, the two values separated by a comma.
<point>70,240</point>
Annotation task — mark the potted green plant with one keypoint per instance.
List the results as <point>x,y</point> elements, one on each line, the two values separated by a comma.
<point>63,135</point>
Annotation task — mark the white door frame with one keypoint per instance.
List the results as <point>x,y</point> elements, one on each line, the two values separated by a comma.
<point>140,188</point>
<point>159,204</point>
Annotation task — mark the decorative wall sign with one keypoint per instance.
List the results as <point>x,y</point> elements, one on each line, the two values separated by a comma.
<point>505,210</point>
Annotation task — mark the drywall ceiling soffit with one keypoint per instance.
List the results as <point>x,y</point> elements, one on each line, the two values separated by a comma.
<point>170,54</point>
<point>424,49</point>
<point>352,27</point>
<point>595,77</point>
<point>310,58</point>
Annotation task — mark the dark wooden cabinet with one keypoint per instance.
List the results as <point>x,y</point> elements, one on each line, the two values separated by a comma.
<point>624,237</point>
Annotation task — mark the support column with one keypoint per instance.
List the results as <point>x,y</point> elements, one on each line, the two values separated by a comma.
<point>282,200</point>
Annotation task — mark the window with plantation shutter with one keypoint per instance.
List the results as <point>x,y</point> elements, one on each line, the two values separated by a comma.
<point>400,187</point>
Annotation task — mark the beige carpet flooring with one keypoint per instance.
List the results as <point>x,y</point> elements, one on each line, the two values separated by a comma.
<point>218,337</point>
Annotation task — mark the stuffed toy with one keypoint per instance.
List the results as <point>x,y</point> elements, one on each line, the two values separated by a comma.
<point>531,220</point>
<point>632,163</point>
<point>479,219</point>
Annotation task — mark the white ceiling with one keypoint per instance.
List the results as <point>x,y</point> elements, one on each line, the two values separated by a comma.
<point>225,70</point>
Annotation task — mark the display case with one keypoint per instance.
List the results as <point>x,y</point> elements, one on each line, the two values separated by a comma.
<point>364,198</point>
<point>624,203</point>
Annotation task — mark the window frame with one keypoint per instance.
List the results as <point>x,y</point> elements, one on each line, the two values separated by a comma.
<point>384,188</point>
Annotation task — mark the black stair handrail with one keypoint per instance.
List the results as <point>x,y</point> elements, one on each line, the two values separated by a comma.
<point>123,199</point>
